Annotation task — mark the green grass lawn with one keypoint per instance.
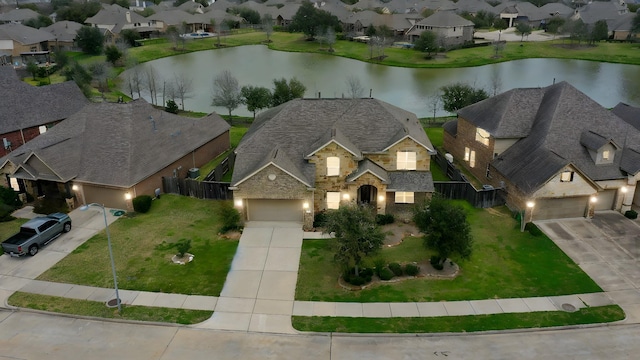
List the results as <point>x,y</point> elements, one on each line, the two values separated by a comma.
<point>98,309</point>
<point>459,323</point>
<point>142,251</point>
<point>505,264</point>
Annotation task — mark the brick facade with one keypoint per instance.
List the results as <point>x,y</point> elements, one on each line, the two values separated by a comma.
<point>20,137</point>
<point>466,138</point>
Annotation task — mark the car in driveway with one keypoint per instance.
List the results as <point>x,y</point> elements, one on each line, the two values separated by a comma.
<point>37,233</point>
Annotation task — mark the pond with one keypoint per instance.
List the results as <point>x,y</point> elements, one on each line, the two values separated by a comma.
<point>408,88</point>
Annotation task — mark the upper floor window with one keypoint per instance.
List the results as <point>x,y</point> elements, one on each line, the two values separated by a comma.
<point>333,166</point>
<point>42,129</point>
<point>472,159</point>
<point>403,197</point>
<point>566,176</point>
<point>482,136</point>
<point>333,199</point>
<point>606,155</point>
<point>466,153</point>
<point>406,160</point>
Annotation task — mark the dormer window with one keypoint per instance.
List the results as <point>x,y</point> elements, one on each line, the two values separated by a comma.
<point>566,176</point>
<point>605,155</point>
<point>333,166</point>
<point>406,160</point>
<point>482,136</point>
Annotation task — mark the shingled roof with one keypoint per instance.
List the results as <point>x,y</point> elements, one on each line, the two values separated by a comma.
<point>25,35</point>
<point>114,144</point>
<point>628,113</point>
<point>25,106</point>
<point>561,123</point>
<point>297,127</point>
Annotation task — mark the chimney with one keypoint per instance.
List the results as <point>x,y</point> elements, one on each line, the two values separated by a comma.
<point>128,16</point>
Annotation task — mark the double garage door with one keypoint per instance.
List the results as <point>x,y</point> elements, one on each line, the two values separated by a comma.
<point>571,206</point>
<point>274,210</point>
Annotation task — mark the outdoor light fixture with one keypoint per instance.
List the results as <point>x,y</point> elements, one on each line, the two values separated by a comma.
<point>345,196</point>
<point>75,188</point>
<point>624,189</point>
<point>239,203</point>
<point>127,196</point>
<point>113,265</point>
<point>380,198</point>
<point>530,205</point>
<point>305,205</point>
<point>593,199</point>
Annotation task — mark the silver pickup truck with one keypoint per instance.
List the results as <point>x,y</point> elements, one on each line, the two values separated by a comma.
<point>37,233</point>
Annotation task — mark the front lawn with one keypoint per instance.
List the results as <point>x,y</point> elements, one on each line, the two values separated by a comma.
<point>142,251</point>
<point>505,264</point>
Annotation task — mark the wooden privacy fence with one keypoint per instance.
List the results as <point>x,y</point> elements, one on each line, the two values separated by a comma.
<point>222,168</point>
<point>461,188</point>
<point>199,189</point>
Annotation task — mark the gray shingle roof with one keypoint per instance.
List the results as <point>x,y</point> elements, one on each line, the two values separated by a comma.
<point>628,113</point>
<point>561,118</point>
<point>367,166</point>
<point>445,18</point>
<point>414,181</point>
<point>24,34</point>
<point>118,144</point>
<point>64,30</point>
<point>115,15</point>
<point>25,106</point>
<point>18,15</point>
<point>369,124</point>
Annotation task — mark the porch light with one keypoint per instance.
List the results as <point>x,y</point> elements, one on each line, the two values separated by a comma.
<point>380,198</point>
<point>624,189</point>
<point>530,204</point>
<point>75,188</point>
<point>127,196</point>
<point>593,199</point>
<point>305,205</point>
<point>239,203</point>
<point>345,196</point>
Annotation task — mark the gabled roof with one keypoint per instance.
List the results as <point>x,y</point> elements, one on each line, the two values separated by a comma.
<point>445,18</point>
<point>367,166</point>
<point>86,148</point>
<point>335,136</point>
<point>593,141</point>
<point>25,106</point>
<point>24,35</point>
<point>556,138</point>
<point>474,6</point>
<point>64,30</point>
<point>628,113</point>
<point>18,15</point>
<point>115,15</point>
<point>600,10</point>
<point>296,127</point>
<point>173,17</point>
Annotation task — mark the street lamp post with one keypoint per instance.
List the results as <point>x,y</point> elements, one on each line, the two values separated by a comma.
<point>113,265</point>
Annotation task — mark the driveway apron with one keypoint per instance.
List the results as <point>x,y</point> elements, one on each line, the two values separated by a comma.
<point>259,291</point>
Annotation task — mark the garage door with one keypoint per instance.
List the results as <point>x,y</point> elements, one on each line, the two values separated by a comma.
<point>274,210</point>
<point>605,199</point>
<point>560,208</point>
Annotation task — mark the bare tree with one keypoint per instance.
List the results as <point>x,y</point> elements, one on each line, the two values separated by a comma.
<point>354,87</point>
<point>434,101</point>
<point>496,82</point>
<point>151,78</point>
<point>101,72</point>
<point>226,92</point>
<point>267,26</point>
<point>182,88</point>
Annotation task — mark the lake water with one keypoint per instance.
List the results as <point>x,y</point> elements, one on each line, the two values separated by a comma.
<point>408,88</point>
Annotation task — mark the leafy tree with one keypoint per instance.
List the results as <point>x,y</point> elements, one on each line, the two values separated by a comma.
<point>61,58</point>
<point>310,20</point>
<point>427,42</point>
<point>357,234</point>
<point>635,25</point>
<point>427,12</point>
<point>283,91</point>
<point>523,29</point>
<point>555,24</point>
<point>80,76</point>
<point>121,3</point>
<point>40,21</point>
<point>101,72</point>
<point>459,95</point>
<point>500,24</point>
<point>226,92</point>
<point>250,15</point>
<point>32,68</point>
<point>171,107</point>
<point>146,12</point>
<point>90,40</point>
<point>576,29</point>
<point>113,54</point>
<point>446,228</point>
<point>78,11</point>
<point>130,36</point>
<point>600,31</point>
<point>256,98</point>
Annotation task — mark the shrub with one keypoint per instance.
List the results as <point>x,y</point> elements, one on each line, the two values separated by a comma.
<point>533,229</point>
<point>229,216</point>
<point>142,203</point>
<point>384,219</point>
<point>183,246</point>
<point>631,214</point>
<point>396,268</point>
<point>411,269</point>
<point>9,197</point>
<point>435,262</point>
<point>49,205</point>
<point>363,277</point>
<point>386,274</point>
<point>379,264</point>
<point>319,219</point>
<point>171,107</point>
<point>5,213</point>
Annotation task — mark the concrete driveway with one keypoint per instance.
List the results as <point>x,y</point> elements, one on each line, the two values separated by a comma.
<point>607,248</point>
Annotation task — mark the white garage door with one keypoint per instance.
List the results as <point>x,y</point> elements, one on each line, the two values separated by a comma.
<point>605,199</point>
<point>274,210</point>
<point>560,208</point>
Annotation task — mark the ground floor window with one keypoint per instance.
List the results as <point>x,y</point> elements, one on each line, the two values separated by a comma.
<point>403,197</point>
<point>333,199</point>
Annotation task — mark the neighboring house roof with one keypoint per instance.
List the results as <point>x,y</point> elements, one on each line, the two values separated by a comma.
<point>116,16</point>
<point>25,106</point>
<point>559,9</point>
<point>628,113</point>
<point>64,30</point>
<point>445,18</point>
<point>85,147</point>
<point>600,10</point>
<point>173,17</point>
<point>473,6</point>
<point>621,23</point>
<point>286,12</point>
<point>561,120</point>
<point>298,127</point>
<point>18,15</point>
<point>25,35</point>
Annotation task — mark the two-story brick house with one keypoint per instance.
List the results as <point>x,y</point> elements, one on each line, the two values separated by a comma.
<point>309,155</point>
<point>553,147</point>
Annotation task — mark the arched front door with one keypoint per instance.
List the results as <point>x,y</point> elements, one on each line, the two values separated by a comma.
<point>367,194</point>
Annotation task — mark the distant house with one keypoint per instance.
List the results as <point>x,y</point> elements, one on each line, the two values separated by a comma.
<point>65,33</point>
<point>600,10</point>
<point>552,146</point>
<point>110,152</point>
<point>18,16</point>
<point>309,155</point>
<point>28,111</point>
<point>452,29</point>
<point>112,19</point>
<point>18,41</point>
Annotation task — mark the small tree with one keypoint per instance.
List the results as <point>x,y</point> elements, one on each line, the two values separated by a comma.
<point>446,228</point>
<point>256,98</point>
<point>500,24</point>
<point>524,29</point>
<point>283,91</point>
<point>229,216</point>
<point>90,40</point>
<point>226,92</point>
<point>427,42</point>
<point>171,107</point>
<point>113,54</point>
<point>357,234</point>
<point>599,32</point>
<point>267,26</point>
<point>354,87</point>
<point>130,36</point>
<point>459,95</point>
<point>32,68</point>
<point>183,246</point>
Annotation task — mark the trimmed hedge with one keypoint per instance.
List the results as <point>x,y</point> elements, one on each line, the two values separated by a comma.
<point>631,214</point>
<point>142,203</point>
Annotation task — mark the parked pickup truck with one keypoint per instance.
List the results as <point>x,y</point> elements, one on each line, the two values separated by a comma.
<point>36,233</point>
